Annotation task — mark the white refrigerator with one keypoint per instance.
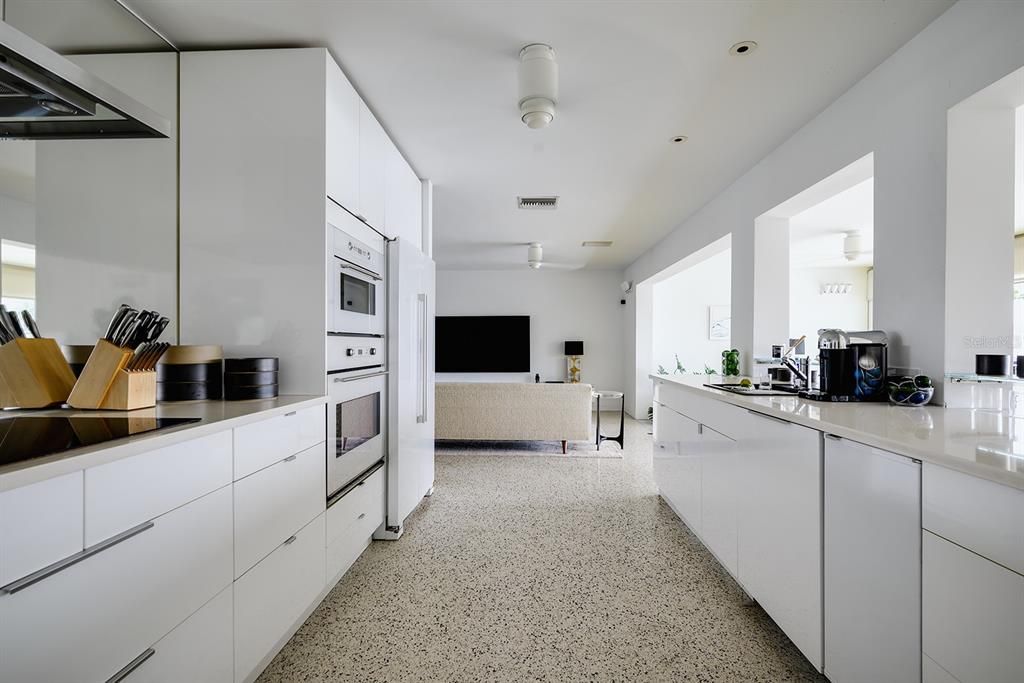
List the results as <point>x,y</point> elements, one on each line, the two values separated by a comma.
<point>410,459</point>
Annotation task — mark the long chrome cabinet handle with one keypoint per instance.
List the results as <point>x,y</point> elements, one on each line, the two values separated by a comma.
<point>61,565</point>
<point>422,417</point>
<point>770,417</point>
<point>131,666</point>
<point>356,379</point>
<point>348,265</point>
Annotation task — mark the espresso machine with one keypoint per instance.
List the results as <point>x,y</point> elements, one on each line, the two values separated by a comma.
<point>852,366</point>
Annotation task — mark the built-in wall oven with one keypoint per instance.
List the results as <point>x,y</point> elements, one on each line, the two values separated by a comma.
<point>356,410</point>
<point>357,303</point>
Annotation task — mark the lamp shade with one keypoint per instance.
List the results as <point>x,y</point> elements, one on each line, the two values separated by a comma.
<point>574,348</point>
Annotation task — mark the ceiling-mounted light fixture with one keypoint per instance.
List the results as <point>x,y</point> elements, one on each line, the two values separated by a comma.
<point>538,84</point>
<point>534,255</point>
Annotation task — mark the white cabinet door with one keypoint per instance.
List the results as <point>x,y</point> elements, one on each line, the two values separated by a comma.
<point>88,621</point>
<point>342,139</point>
<point>719,503</point>
<point>351,521</point>
<point>780,525</point>
<point>677,464</point>
<point>373,143</point>
<point>274,503</point>
<point>872,564</point>
<point>274,594</point>
<point>263,443</point>
<point>972,614</point>
<point>199,650</point>
<point>403,210</point>
<point>40,524</point>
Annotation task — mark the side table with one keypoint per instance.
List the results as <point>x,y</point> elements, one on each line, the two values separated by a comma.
<point>611,396</point>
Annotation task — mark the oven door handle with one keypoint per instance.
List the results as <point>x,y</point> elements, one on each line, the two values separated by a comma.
<point>356,379</point>
<point>348,265</point>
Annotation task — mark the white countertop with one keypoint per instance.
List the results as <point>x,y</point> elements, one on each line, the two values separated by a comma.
<point>214,416</point>
<point>985,443</point>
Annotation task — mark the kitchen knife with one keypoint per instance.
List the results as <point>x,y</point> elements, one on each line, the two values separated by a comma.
<point>159,328</point>
<point>127,329</point>
<point>16,323</point>
<point>30,323</point>
<point>115,321</point>
<point>145,320</point>
<point>160,350</point>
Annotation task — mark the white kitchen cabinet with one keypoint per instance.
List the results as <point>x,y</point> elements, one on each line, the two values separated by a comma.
<point>351,521</point>
<point>677,465</point>
<point>373,142</point>
<point>972,614</point>
<point>199,650</point>
<point>872,564</point>
<point>719,502</point>
<point>403,208</point>
<point>273,595</point>
<point>342,146</point>
<point>779,530</point>
<point>127,492</point>
<point>91,619</point>
<point>980,515</point>
<point>933,673</point>
<point>40,524</point>
<point>263,443</point>
<point>275,502</point>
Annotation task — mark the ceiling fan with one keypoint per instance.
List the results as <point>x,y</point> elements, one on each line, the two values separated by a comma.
<point>535,259</point>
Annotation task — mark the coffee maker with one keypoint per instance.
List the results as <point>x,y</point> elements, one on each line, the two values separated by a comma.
<point>852,366</point>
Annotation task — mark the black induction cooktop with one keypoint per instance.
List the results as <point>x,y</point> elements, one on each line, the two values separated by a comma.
<point>34,436</point>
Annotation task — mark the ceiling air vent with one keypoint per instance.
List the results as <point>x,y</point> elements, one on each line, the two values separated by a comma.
<point>537,202</point>
<point>597,243</point>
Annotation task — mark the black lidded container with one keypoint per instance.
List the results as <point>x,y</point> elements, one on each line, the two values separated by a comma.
<point>856,373</point>
<point>190,373</point>
<point>1020,367</point>
<point>250,378</point>
<point>992,364</point>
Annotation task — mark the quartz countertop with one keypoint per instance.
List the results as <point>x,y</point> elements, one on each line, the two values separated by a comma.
<point>214,416</point>
<point>985,443</point>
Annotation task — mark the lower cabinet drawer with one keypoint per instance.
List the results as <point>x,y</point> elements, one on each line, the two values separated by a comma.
<point>87,621</point>
<point>271,596</point>
<point>199,650</point>
<point>39,524</point>
<point>351,522</point>
<point>972,614</point>
<point>274,503</point>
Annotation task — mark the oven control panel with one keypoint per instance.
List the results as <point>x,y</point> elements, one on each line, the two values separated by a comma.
<point>351,353</point>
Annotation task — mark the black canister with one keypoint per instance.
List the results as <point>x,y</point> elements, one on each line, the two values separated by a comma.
<point>250,378</point>
<point>992,364</point>
<point>1020,367</point>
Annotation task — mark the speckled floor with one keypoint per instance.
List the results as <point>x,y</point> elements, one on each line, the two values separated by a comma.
<point>540,569</point>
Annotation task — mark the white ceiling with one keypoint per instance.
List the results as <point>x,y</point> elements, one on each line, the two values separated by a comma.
<point>441,77</point>
<point>816,234</point>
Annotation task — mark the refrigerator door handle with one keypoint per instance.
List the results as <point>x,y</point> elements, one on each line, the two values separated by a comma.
<point>421,344</point>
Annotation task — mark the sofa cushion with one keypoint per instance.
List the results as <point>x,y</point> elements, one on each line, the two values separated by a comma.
<point>512,412</point>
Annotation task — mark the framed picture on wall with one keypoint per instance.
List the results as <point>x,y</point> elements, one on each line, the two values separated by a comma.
<point>719,322</point>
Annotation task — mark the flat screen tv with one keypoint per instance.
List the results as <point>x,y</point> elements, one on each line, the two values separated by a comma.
<point>482,343</point>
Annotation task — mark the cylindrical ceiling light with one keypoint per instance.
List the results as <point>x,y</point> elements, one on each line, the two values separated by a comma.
<point>538,85</point>
<point>534,255</point>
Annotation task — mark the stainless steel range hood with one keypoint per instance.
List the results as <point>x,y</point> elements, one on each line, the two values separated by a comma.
<point>44,96</point>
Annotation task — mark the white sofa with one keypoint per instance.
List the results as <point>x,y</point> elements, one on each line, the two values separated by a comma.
<point>513,412</point>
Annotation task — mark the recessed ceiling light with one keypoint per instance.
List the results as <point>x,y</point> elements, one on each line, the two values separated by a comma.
<point>743,48</point>
<point>679,138</point>
<point>597,243</point>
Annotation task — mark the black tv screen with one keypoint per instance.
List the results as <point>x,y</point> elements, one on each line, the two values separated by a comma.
<point>482,343</point>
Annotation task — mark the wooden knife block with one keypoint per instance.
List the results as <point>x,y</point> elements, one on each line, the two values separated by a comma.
<point>106,384</point>
<point>34,374</point>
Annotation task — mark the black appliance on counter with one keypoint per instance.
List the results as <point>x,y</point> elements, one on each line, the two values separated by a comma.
<point>852,366</point>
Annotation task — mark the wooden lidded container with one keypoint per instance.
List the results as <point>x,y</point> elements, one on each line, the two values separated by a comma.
<point>34,374</point>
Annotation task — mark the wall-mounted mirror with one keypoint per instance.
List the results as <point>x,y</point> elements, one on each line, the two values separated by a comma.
<point>88,224</point>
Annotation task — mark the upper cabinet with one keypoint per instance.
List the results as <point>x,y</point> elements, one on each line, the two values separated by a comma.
<point>403,212</point>
<point>343,107</point>
<point>373,144</point>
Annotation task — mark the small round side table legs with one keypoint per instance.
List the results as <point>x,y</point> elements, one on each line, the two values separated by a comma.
<point>613,395</point>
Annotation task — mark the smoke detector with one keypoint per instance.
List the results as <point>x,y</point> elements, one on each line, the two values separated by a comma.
<point>538,85</point>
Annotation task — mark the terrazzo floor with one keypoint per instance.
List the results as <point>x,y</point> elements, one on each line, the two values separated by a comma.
<point>540,569</point>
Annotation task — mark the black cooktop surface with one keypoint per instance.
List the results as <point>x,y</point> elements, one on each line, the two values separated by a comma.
<point>27,437</point>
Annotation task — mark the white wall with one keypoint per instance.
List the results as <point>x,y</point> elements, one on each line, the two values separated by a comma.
<point>680,317</point>
<point>898,111</point>
<point>810,310</point>
<point>562,305</point>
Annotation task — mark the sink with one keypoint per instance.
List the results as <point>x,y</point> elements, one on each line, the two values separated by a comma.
<point>734,388</point>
